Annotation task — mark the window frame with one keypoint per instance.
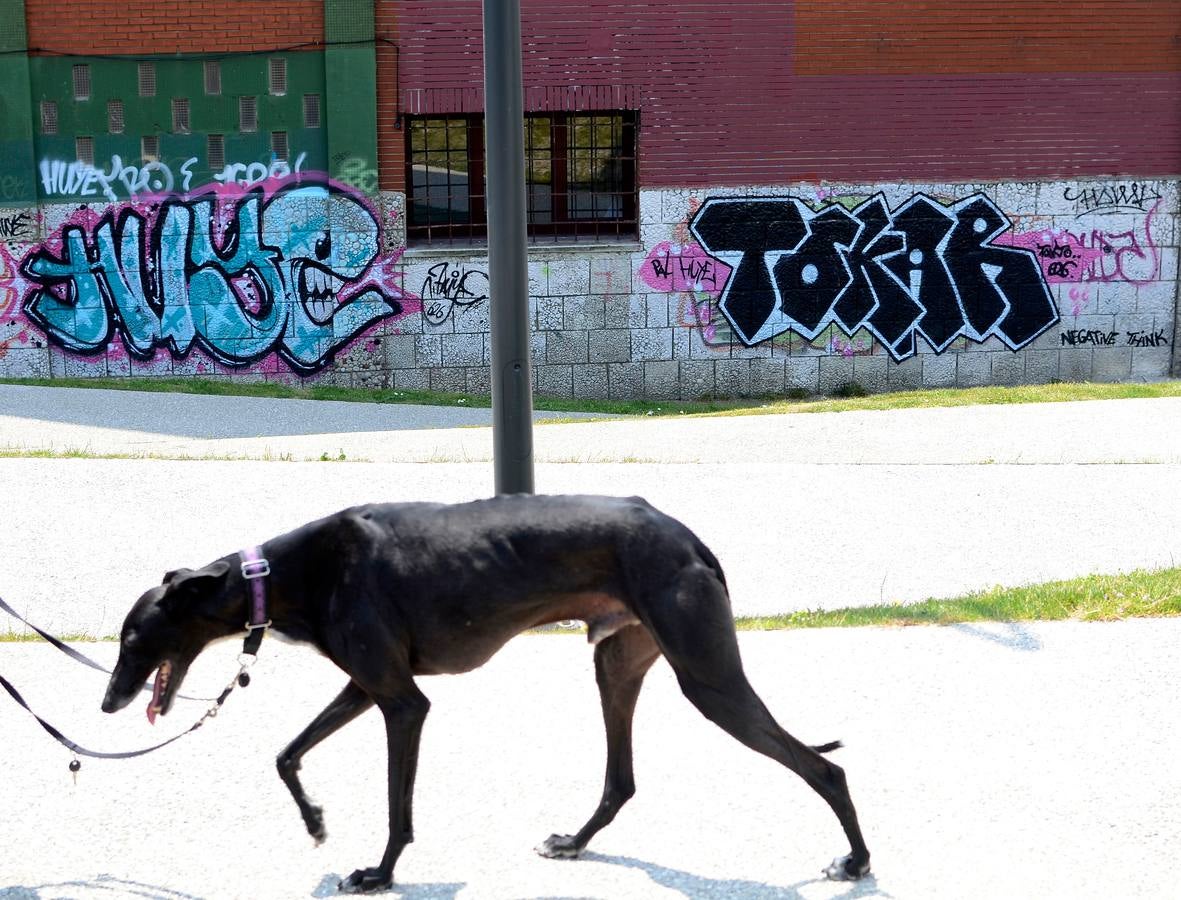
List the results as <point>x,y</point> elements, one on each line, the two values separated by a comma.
<point>557,223</point>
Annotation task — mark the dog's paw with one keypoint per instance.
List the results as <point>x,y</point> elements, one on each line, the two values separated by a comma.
<point>558,846</point>
<point>843,868</point>
<point>315,824</point>
<point>366,881</point>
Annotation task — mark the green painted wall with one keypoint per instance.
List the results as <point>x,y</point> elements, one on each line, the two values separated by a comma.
<point>350,73</point>
<point>17,186</point>
<point>113,78</point>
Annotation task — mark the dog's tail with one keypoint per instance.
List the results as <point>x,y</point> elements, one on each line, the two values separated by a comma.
<point>829,747</point>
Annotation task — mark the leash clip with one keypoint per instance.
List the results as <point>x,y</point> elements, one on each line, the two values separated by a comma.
<point>249,626</point>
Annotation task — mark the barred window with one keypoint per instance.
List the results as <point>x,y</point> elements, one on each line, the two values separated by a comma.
<point>212,77</point>
<point>84,150</point>
<point>82,82</point>
<point>279,144</point>
<point>48,117</point>
<point>580,176</point>
<point>115,120</point>
<point>311,110</point>
<point>278,76</point>
<point>180,115</point>
<point>215,151</point>
<point>248,114</point>
<point>147,79</point>
<point>149,147</point>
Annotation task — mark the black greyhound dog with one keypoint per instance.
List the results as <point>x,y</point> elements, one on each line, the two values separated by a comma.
<point>391,591</point>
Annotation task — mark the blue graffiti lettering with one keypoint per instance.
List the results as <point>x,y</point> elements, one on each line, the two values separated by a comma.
<point>287,275</point>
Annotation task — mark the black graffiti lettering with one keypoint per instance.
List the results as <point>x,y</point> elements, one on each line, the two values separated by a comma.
<point>449,286</point>
<point>925,224</point>
<point>660,267</point>
<point>741,233</point>
<point>812,277</point>
<point>988,276</point>
<point>1133,195</point>
<point>14,226</point>
<point>1147,338</point>
<point>925,268</point>
<point>1077,338</point>
<point>876,295</point>
<point>697,271</point>
<point>1061,268</point>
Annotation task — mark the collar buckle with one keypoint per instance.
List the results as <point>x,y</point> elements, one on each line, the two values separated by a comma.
<point>256,568</point>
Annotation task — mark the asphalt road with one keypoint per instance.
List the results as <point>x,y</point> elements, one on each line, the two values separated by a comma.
<point>804,511</point>
<point>1015,761</point>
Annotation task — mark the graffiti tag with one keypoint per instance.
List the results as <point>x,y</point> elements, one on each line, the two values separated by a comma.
<point>15,226</point>
<point>924,269</point>
<point>447,287</point>
<point>1124,195</point>
<point>283,269</point>
<point>79,179</point>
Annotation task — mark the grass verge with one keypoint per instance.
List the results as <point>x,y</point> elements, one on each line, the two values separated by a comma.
<point>1092,598</point>
<point>797,402</point>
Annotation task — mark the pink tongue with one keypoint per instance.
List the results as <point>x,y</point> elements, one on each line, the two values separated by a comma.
<point>157,693</point>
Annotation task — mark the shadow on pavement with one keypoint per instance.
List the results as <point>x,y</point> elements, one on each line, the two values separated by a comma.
<point>429,891</point>
<point>697,886</point>
<point>1012,635</point>
<point>102,886</point>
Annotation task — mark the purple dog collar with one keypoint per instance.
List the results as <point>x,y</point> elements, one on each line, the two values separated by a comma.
<point>255,568</point>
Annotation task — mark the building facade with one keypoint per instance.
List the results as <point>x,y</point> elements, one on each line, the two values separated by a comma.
<point>785,197</point>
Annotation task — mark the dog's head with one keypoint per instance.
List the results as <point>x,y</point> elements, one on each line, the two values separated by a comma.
<point>165,630</point>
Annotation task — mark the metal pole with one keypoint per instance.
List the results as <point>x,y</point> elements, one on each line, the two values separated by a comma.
<point>504,130</point>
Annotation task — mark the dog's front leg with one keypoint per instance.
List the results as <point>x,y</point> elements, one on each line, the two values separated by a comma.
<point>349,704</point>
<point>404,716</point>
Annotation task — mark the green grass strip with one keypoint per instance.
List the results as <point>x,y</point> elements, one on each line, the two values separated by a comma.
<point>1093,598</point>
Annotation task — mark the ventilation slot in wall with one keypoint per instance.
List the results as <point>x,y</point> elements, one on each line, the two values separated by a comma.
<point>180,115</point>
<point>150,148</point>
<point>216,152</point>
<point>212,77</point>
<point>115,120</point>
<point>248,114</point>
<point>278,76</point>
<point>311,110</point>
<point>82,82</point>
<point>147,79</point>
<point>84,150</point>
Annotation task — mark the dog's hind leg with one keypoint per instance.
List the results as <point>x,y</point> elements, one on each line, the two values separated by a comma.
<point>404,711</point>
<point>700,644</point>
<point>349,704</point>
<point>621,661</point>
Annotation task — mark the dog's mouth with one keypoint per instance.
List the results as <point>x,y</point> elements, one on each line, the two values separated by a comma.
<point>161,697</point>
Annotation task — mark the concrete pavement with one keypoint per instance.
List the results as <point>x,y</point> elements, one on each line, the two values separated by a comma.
<point>1017,761</point>
<point>1026,761</point>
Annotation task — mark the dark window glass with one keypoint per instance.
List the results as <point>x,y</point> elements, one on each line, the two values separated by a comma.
<point>580,176</point>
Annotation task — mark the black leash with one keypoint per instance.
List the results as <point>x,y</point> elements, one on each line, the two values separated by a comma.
<point>245,660</point>
<point>82,657</point>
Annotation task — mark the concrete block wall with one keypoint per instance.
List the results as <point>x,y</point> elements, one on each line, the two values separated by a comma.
<point>1079,282</point>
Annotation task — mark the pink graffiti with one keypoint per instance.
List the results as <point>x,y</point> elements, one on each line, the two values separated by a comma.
<point>1079,298</point>
<point>1098,255</point>
<point>671,267</point>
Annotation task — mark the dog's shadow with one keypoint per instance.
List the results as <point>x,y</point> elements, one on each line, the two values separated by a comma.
<point>695,886</point>
<point>430,891</point>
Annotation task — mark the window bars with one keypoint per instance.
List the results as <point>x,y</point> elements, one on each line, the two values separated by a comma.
<point>580,175</point>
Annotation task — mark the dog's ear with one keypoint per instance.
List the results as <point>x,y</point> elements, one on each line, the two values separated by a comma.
<point>186,582</point>
<point>168,576</point>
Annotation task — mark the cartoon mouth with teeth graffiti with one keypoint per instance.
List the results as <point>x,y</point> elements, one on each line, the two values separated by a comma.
<point>330,242</point>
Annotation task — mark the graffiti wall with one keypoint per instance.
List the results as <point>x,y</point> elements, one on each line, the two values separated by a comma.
<point>258,272</point>
<point>284,274</point>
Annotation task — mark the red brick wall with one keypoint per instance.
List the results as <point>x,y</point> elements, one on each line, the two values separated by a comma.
<point>200,26</point>
<point>759,91</point>
<point>391,148</point>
